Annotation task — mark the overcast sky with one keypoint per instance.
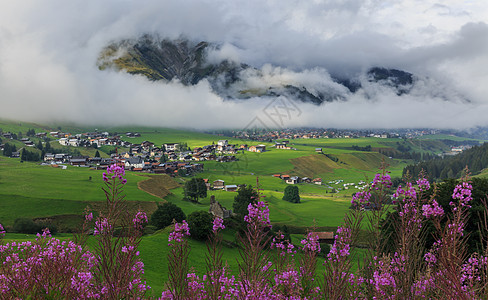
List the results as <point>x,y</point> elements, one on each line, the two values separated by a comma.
<point>49,48</point>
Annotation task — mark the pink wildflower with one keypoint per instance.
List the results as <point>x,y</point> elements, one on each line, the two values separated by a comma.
<point>218,223</point>
<point>114,172</point>
<point>462,192</point>
<point>139,220</point>
<point>432,210</point>
<point>423,184</point>
<point>258,214</point>
<point>311,242</point>
<point>181,230</point>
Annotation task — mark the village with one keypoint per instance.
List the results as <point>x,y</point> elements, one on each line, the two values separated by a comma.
<point>177,159</point>
<point>315,133</point>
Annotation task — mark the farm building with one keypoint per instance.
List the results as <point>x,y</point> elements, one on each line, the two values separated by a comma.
<point>219,184</point>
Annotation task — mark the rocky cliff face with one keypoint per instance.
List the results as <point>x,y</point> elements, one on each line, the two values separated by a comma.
<point>186,61</point>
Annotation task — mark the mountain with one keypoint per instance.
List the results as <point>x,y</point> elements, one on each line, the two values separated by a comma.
<point>188,62</point>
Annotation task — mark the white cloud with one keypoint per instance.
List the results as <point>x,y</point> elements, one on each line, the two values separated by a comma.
<point>48,53</point>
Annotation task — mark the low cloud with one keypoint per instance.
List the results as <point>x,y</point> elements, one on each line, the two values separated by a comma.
<point>48,54</point>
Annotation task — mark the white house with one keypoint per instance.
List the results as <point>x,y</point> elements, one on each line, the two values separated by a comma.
<point>134,162</point>
<point>293,180</point>
<point>223,143</point>
<point>171,146</point>
<point>74,142</point>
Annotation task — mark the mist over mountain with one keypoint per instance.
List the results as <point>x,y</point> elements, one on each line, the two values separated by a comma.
<point>190,62</point>
<point>239,64</point>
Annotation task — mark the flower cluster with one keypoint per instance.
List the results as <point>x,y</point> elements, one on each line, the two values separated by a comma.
<point>387,271</point>
<point>47,268</point>
<point>218,224</point>
<point>258,214</point>
<point>89,217</point>
<point>139,220</point>
<point>311,242</point>
<point>408,192</point>
<point>430,258</point>
<point>340,248</point>
<point>471,271</point>
<point>381,180</point>
<point>2,230</point>
<point>114,172</point>
<point>102,226</point>
<point>423,184</point>
<point>462,192</point>
<point>181,230</point>
<point>285,246</point>
<point>432,210</point>
<point>361,197</point>
<point>288,284</point>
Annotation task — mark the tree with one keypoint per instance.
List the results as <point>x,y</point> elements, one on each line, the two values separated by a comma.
<point>200,223</point>
<point>47,147</point>
<point>292,194</point>
<point>8,149</point>
<point>165,214</point>
<point>23,155</point>
<point>163,158</point>
<point>31,132</point>
<point>195,188</point>
<point>97,154</point>
<point>27,155</point>
<point>182,172</point>
<point>39,145</point>
<point>182,146</point>
<point>245,195</point>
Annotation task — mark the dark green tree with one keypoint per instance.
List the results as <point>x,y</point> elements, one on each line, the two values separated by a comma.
<point>97,154</point>
<point>31,132</point>
<point>195,188</point>
<point>165,214</point>
<point>292,194</point>
<point>27,155</point>
<point>39,146</point>
<point>8,149</point>
<point>200,223</point>
<point>47,147</point>
<point>245,195</point>
<point>182,172</point>
<point>163,158</point>
<point>23,155</point>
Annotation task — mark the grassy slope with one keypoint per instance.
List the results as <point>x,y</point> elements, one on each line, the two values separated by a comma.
<point>16,126</point>
<point>31,190</point>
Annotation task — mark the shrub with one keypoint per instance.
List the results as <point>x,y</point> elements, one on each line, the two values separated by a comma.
<point>165,214</point>
<point>200,223</point>
<point>25,225</point>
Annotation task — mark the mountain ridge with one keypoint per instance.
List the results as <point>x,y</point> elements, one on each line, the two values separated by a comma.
<point>186,61</point>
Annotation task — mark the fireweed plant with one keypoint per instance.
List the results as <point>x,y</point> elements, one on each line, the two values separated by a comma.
<point>276,269</point>
<point>270,267</point>
<point>48,268</point>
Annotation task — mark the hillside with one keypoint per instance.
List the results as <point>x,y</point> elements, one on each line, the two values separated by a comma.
<point>476,159</point>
